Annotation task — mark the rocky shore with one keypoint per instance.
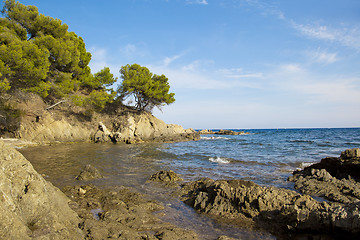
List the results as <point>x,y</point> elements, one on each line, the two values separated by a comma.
<point>32,208</point>
<point>327,206</point>
<point>287,213</point>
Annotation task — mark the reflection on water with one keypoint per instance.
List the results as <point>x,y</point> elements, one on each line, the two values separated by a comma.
<point>130,166</point>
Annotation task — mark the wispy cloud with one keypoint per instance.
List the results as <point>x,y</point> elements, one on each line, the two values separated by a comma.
<point>314,88</point>
<point>168,60</point>
<point>196,75</point>
<point>237,73</point>
<point>349,37</point>
<point>322,57</point>
<point>201,2</point>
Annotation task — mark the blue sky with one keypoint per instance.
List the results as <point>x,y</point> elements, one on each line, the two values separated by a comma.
<point>232,63</point>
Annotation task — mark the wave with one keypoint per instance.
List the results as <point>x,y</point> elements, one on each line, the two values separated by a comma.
<point>306,164</point>
<point>213,138</point>
<point>219,160</point>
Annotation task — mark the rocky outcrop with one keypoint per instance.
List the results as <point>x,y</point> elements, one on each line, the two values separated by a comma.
<point>277,210</point>
<point>65,122</point>
<point>206,131</point>
<point>230,132</point>
<point>121,214</point>
<point>32,208</point>
<point>89,173</point>
<point>336,179</point>
<point>132,128</point>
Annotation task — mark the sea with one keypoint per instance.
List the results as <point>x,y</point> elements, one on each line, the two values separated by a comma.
<point>265,156</point>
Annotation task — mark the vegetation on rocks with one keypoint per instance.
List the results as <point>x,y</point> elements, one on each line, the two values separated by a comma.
<point>39,55</point>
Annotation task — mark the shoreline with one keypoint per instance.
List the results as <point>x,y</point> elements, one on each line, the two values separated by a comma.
<point>10,141</point>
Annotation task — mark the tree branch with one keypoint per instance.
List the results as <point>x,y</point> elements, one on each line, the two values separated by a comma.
<point>62,101</point>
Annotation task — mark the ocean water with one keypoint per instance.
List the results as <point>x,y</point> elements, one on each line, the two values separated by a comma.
<point>267,157</point>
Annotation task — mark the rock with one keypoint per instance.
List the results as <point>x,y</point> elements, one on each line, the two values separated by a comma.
<point>30,206</point>
<point>280,211</point>
<point>88,173</point>
<point>121,213</point>
<point>225,238</point>
<point>351,154</point>
<point>165,176</point>
<point>229,132</point>
<point>206,131</point>
<point>336,179</point>
<point>66,122</point>
<point>136,128</point>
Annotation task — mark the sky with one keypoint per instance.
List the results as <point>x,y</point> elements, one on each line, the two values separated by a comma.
<point>235,64</point>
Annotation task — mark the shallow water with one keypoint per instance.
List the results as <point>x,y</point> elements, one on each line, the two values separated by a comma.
<point>266,157</point>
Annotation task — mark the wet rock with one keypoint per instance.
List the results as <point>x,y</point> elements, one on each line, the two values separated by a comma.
<point>336,179</point>
<point>120,214</point>
<point>165,176</point>
<point>277,210</point>
<point>88,173</point>
<point>30,206</point>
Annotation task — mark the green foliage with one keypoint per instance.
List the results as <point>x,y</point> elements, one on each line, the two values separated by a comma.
<point>100,80</point>
<point>149,90</point>
<point>38,54</point>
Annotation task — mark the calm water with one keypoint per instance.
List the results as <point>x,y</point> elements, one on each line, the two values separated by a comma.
<point>266,157</point>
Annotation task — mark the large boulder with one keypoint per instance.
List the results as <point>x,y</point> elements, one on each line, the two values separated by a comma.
<point>30,206</point>
<point>336,179</point>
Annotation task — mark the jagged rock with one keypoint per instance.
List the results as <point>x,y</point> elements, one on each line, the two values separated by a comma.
<point>165,176</point>
<point>336,179</point>
<point>88,173</point>
<point>351,154</point>
<point>30,206</point>
<point>277,210</point>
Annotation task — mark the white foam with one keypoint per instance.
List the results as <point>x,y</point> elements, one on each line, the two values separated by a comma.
<point>219,160</point>
<point>212,138</point>
<point>306,164</point>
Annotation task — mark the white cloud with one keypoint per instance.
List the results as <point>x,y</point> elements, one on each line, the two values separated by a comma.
<point>323,57</point>
<point>237,73</point>
<point>196,75</point>
<point>314,88</point>
<point>168,60</point>
<point>349,37</point>
<point>201,2</point>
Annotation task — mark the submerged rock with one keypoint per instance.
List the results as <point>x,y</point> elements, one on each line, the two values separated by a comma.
<point>336,179</point>
<point>277,210</point>
<point>165,176</point>
<point>30,206</point>
<point>88,173</point>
